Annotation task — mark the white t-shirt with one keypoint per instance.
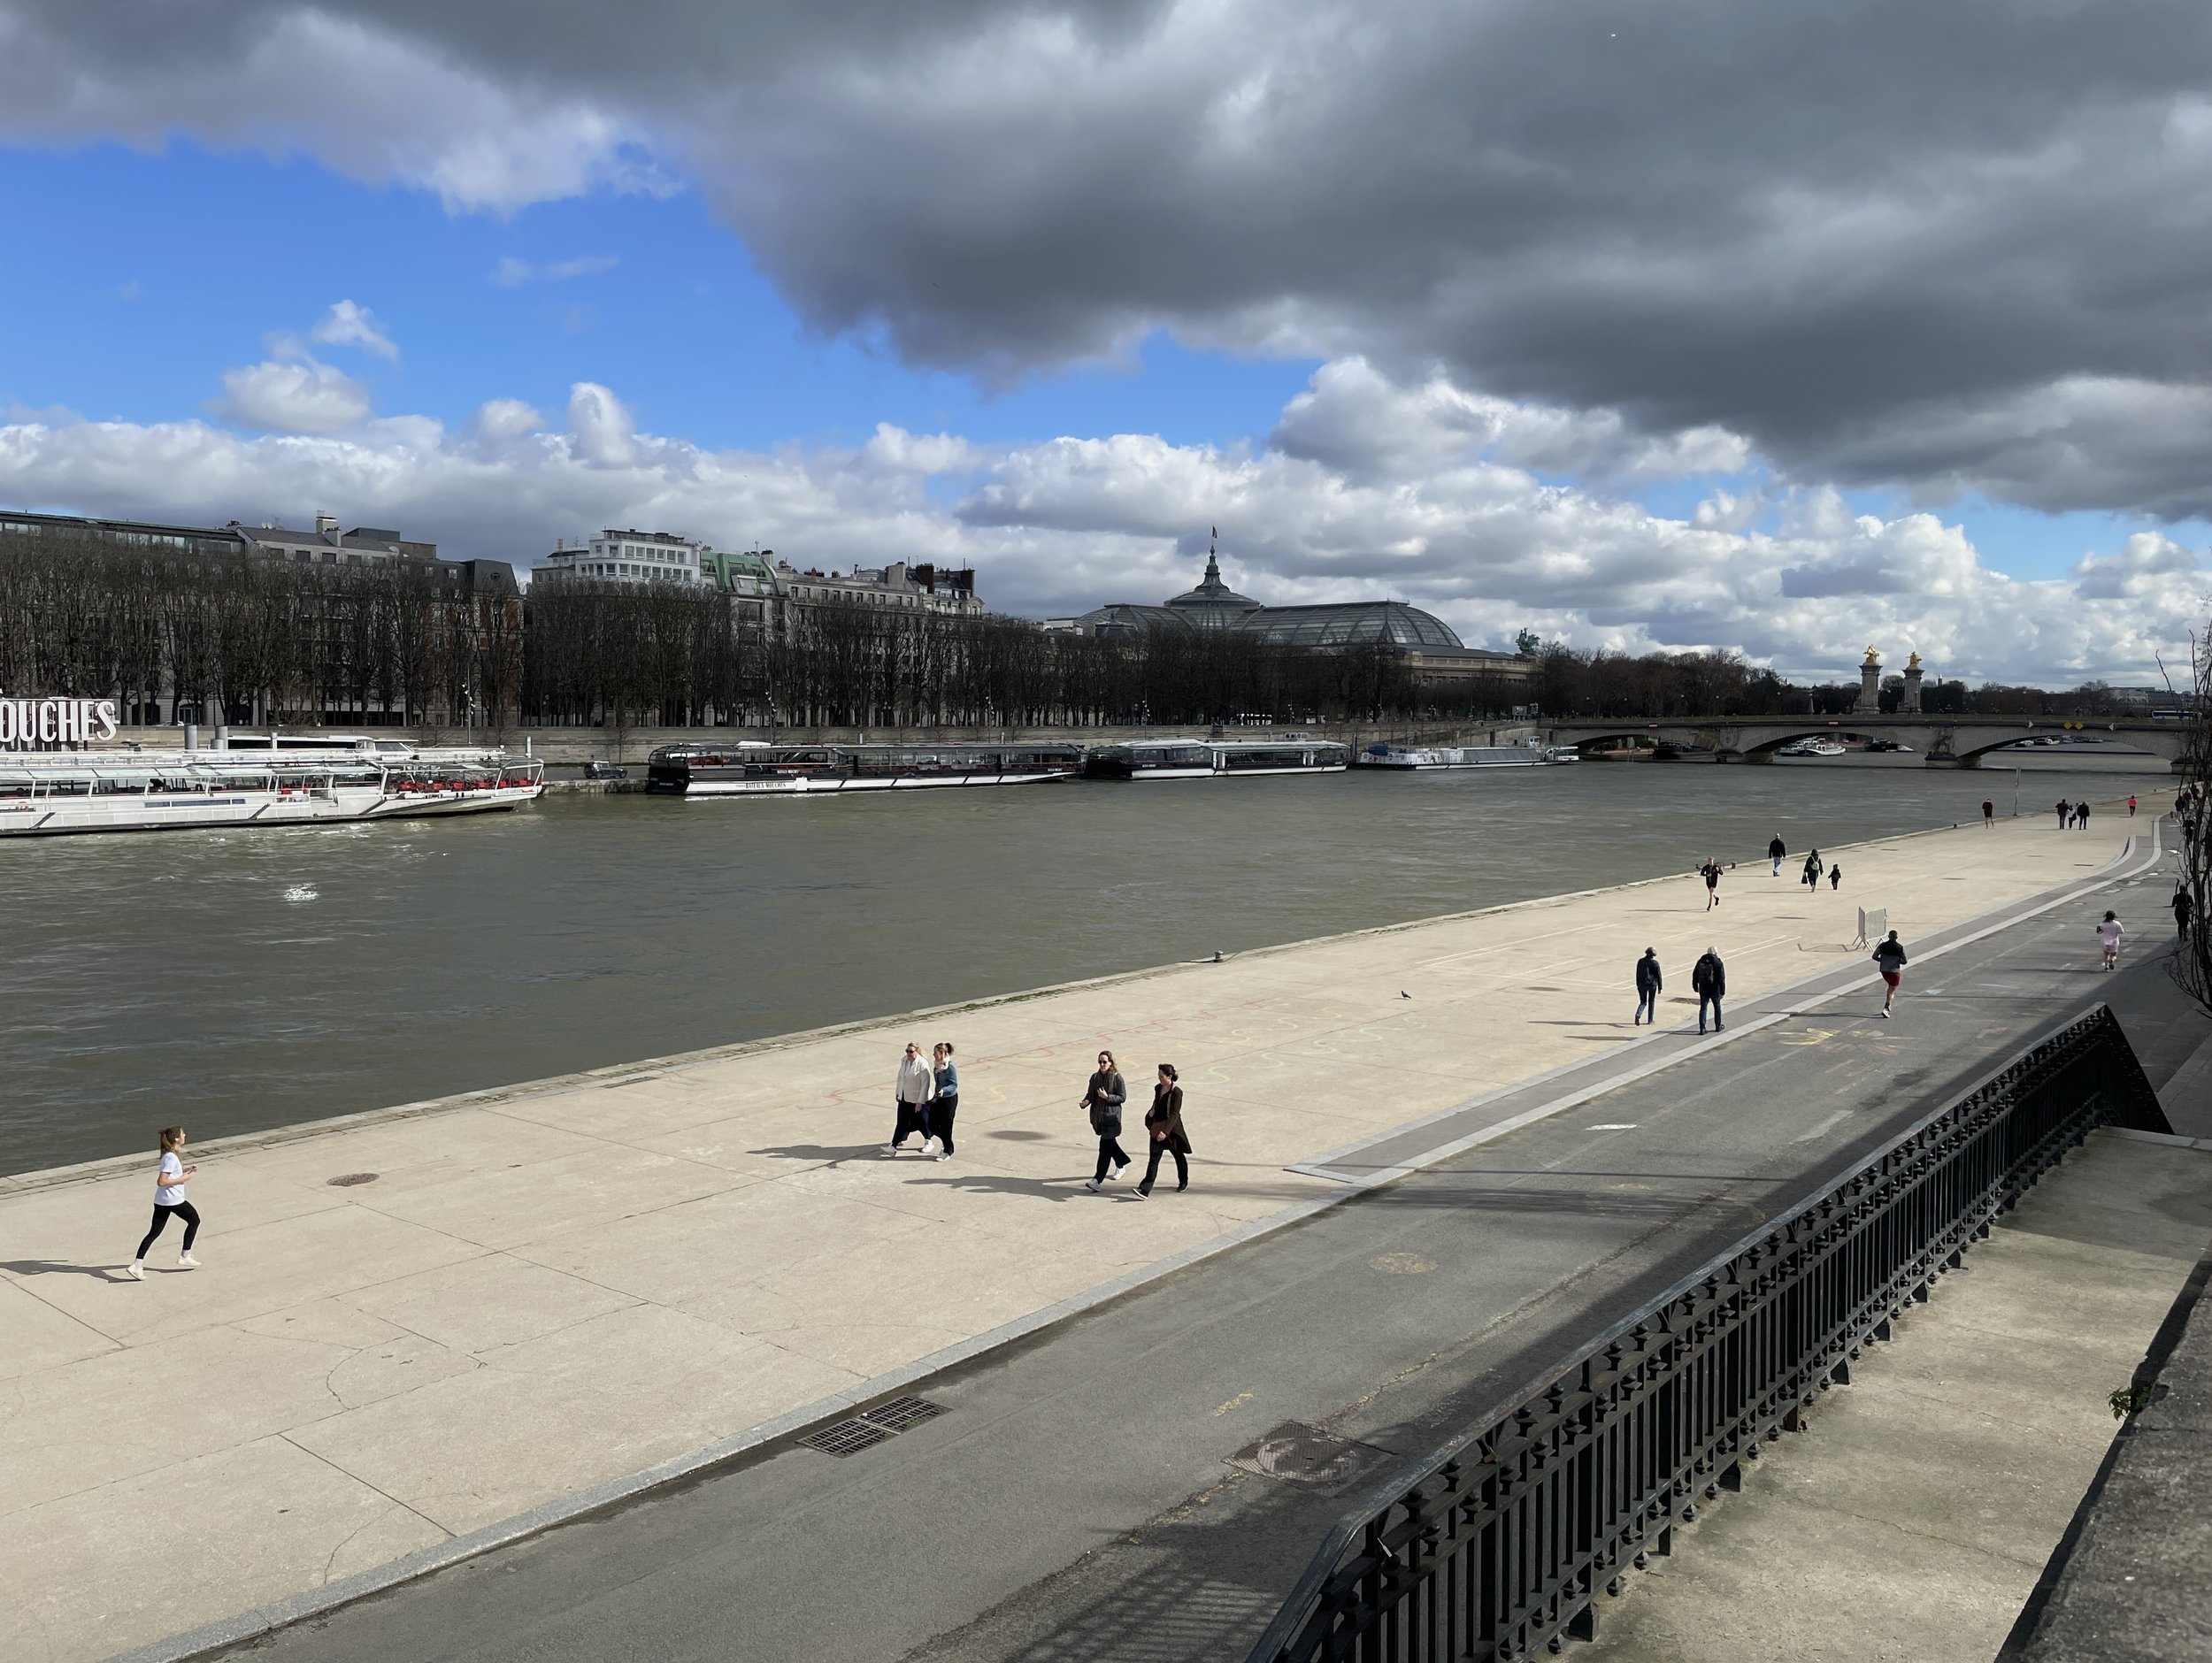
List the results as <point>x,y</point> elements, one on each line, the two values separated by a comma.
<point>167,1193</point>
<point>2109,932</point>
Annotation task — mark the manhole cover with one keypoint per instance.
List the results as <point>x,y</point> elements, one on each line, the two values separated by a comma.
<point>901,1412</point>
<point>847,1437</point>
<point>347,1180</point>
<point>1307,1455</point>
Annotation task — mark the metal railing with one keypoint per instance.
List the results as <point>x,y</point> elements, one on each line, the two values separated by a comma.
<point>1501,1542</point>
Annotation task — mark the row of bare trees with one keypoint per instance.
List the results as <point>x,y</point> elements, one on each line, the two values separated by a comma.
<point>177,636</point>
<point>661,656</point>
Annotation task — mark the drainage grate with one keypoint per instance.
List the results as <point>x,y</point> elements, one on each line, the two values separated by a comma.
<point>847,1437</point>
<point>347,1180</point>
<point>901,1412</point>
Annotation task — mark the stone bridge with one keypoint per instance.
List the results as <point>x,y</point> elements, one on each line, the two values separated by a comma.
<point>1955,741</point>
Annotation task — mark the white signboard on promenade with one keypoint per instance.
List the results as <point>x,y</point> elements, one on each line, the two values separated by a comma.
<point>28,724</point>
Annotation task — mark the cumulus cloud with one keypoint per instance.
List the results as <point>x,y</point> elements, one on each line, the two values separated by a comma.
<point>292,396</point>
<point>1790,576</point>
<point>348,325</point>
<point>1963,255</point>
<point>511,273</point>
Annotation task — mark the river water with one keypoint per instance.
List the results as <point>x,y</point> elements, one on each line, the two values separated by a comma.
<point>235,981</point>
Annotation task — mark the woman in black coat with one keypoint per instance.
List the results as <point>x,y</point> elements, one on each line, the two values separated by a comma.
<point>1103,1099</point>
<point>1164,1120</point>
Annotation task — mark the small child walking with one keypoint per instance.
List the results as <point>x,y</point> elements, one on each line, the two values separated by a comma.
<point>2109,930</point>
<point>169,1181</point>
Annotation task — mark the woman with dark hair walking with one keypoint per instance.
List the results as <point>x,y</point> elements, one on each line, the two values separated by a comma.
<point>944,1102</point>
<point>170,1178</point>
<point>1814,866</point>
<point>1103,1099</point>
<point>1164,1120</point>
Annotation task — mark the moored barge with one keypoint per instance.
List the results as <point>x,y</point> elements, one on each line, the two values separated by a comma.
<point>752,769</point>
<point>1208,759</point>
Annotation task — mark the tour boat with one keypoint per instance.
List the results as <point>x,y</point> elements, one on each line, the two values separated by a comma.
<point>42,794</point>
<point>1207,759</point>
<point>1407,757</point>
<point>1811,748</point>
<point>752,768</point>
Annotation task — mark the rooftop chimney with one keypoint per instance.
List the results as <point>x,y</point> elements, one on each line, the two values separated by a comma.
<point>327,525</point>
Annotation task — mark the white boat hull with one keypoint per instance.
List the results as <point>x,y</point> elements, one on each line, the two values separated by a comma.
<point>55,817</point>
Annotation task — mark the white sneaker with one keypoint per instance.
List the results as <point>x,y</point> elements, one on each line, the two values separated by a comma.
<point>944,1155</point>
<point>137,1270</point>
<point>890,1149</point>
<point>1886,1013</point>
<point>1091,1184</point>
<point>925,1145</point>
<point>187,1261</point>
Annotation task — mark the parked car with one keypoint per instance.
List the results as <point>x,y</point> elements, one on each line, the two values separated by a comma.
<point>605,771</point>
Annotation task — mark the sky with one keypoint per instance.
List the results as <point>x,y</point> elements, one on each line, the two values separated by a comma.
<point>1717,326</point>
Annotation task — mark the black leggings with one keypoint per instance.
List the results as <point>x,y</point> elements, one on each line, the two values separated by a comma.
<point>184,1210</point>
<point>1110,1153</point>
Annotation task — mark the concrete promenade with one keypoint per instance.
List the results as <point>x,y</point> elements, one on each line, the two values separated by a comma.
<point>552,1286</point>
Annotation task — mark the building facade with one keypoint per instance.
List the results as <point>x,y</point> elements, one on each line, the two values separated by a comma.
<point>626,556</point>
<point>1424,643</point>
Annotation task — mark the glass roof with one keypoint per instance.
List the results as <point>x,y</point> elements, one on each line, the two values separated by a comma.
<point>1348,623</point>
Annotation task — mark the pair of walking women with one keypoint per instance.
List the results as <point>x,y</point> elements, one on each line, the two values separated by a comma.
<point>928,1097</point>
<point>1162,1121</point>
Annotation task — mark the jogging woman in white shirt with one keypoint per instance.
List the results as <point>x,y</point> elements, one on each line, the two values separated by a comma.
<point>169,1181</point>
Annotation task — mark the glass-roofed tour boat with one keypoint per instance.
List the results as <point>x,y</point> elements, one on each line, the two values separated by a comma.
<point>753,768</point>
<point>46,792</point>
<point>1208,759</point>
<point>1405,758</point>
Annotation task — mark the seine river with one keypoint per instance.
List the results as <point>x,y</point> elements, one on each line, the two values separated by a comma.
<point>236,981</point>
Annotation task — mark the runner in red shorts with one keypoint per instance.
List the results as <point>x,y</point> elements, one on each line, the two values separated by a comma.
<point>1889,958</point>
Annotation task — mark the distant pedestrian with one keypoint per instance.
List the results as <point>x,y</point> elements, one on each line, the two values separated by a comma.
<point>1835,877</point>
<point>1710,872</point>
<point>1989,814</point>
<point>1777,853</point>
<point>1649,982</point>
<point>1814,866</point>
<point>1889,958</point>
<point>171,1175</point>
<point>2131,805</point>
<point>2065,812</point>
<point>1709,980</point>
<point>2110,930</point>
<point>2184,904</point>
<point>912,1089</point>
<point>944,1100</point>
<point>1103,1098</point>
<point>1164,1120</point>
<point>2081,816</point>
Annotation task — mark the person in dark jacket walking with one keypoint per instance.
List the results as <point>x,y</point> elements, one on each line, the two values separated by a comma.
<point>1776,852</point>
<point>1103,1098</point>
<point>1989,814</point>
<point>1709,980</point>
<point>1164,1120</point>
<point>944,1103</point>
<point>2081,815</point>
<point>1835,877</point>
<point>1889,958</point>
<point>1649,982</point>
<point>2183,906</point>
<point>2065,813</point>
<point>1814,866</point>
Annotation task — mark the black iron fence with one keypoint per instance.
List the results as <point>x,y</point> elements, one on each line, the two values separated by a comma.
<point>1501,1542</point>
